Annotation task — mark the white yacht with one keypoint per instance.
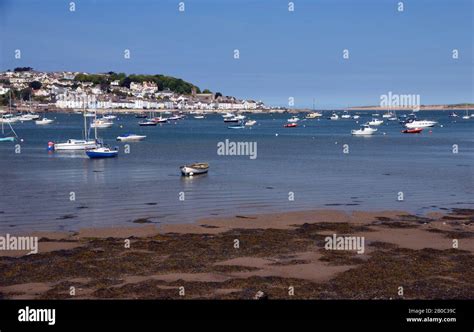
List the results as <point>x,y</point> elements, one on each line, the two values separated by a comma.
<point>314,115</point>
<point>131,138</point>
<point>345,115</point>
<point>76,144</point>
<point>364,130</point>
<point>250,123</point>
<point>293,119</point>
<point>334,116</point>
<point>420,124</point>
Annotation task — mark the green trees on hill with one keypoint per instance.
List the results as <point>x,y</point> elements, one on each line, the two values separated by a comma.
<point>163,82</point>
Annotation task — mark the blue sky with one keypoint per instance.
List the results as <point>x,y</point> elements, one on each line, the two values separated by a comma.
<point>282,54</point>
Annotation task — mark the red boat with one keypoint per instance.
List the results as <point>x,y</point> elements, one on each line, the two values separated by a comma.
<point>290,125</point>
<point>412,131</point>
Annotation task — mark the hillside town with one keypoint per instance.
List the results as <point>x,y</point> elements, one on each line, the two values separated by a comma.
<point>63,91</point>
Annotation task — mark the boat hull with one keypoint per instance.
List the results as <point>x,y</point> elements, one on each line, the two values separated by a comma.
<point>7,139</point>
<point>190,171</point>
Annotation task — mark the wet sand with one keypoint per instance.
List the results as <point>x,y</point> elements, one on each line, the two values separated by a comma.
<point>279,254</point>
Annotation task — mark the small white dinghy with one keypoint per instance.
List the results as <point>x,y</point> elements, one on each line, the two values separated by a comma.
<point>194,169</point>
<point>131,138</point>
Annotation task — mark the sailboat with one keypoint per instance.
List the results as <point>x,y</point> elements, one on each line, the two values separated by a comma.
<point>101,151</point>
<point>78,144</point>
<point>4,137</point>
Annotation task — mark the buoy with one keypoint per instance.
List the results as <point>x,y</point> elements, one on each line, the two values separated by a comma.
<point>276,134</point>
<point>50,146</point>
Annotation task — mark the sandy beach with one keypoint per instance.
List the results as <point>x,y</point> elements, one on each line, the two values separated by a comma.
<point>282,255</point>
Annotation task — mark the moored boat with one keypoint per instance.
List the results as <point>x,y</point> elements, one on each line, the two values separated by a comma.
<point>194,169</point>
<point>102,123</point>
<point>290,125</point>
<point>75,144</point>
<point>420,124</point>
<point>375,122</point>
<point>102,152</point>
<point>365,130</point>
<point>250,123</point>
<point>412,131</point>
<point>44,121</point>
<point>147,123</point>
<point>130,138</point>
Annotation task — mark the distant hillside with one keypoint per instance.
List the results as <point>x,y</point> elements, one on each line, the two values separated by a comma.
<point>163,82</point>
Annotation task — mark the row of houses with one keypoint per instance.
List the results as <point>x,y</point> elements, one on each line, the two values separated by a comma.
<point>62,91</point>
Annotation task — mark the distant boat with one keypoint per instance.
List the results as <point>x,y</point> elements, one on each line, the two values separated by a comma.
<point>240,117</point>
<point>9,118</point>
<point>355,117</point>
<point>376,115</point>
<point>453,115</point>
<point>175,117</point>
<point>387,115</point>
<point>44,121</point>
<point>28,117</point>
<point>109,117</point>
<point>375,122</point>
<point>313,115</point>
<point>141,116</point>
<point>4,137</point>
<point>89,115</point>
<point>194,169</point>
<point>290,125</point>
<point>365,130</point>
<point>236,127</point>
<point>102,152</point>
<point>250,123</point>
<point>345,115</point>
<point>147,123</point>
<point>334,116</point>
<point>293,119</point>
<point>412,131</point>
<point>160,119</point>
<point>227,115</point>
<point>130,138</point>
<point>102,123</point>
<point>199,116</point>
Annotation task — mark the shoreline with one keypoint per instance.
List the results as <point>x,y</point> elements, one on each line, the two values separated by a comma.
<point>275,251</point>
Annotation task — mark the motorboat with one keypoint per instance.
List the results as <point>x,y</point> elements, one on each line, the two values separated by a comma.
<point>250,123</point>
<point>175,117</point>
<point>199,116</point>
<point>412,131</point>
<point>334,116</point>
<point>293,119</point>
<point>387,115</point>
<point>102,152</point>
<point>101,123</point>
<point>345,115</point>
<point>130,138</point>
<point>314,115</point>
<point>364,130</point>
<point>375,122</point>
<point>420,124</point>
<point>240,117</point>
<point>109,117</point>
<point>355,117</point>
<point>194,169</point>
<point>44,121</point>
<point>291,125</point>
